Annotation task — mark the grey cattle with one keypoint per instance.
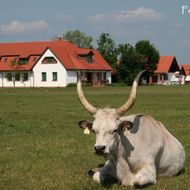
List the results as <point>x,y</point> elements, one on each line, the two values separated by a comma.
<point>137,148</point>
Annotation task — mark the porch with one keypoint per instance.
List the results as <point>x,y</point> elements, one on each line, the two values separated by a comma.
<point>95,78</point>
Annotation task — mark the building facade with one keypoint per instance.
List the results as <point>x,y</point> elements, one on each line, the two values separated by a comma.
<point>167,72</point>
<point>50,64</point>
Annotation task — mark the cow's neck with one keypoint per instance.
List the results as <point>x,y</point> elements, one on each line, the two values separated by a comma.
<point>120,161</point>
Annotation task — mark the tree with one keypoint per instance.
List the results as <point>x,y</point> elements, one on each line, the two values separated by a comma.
<point>130,63</point>
<point>79,38</point>
<point>16,74</point>
<point>107,48</point>
<point>151,55</point>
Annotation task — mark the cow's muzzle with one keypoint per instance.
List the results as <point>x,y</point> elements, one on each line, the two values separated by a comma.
<point>99,150</point>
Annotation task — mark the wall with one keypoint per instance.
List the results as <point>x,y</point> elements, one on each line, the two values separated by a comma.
<point>49,68</point>
<point>71,77</point>
<point>5,83</point>
<point>64,77</point>
<point>108,76</point>
<point>171,79</point>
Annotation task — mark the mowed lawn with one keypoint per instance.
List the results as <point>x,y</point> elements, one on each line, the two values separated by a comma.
<point>42,148</point>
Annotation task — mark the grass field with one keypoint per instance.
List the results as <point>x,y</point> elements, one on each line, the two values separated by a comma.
<point>42,148</point>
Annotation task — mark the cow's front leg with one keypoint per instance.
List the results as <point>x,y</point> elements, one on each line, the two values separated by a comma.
<point>107,172</point>
<point>91,172</point>
<point>145,176</point>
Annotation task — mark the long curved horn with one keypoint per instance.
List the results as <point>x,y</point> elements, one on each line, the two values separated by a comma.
<point>131,100</point>
<point>90,108</point>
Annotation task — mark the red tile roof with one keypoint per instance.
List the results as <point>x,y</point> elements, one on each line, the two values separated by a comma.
<point>67,53</point>
<point>164,64</point>
<point>186,68</point>
<point>84,51</point>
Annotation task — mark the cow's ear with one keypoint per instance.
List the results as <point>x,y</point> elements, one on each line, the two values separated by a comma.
<point>125,125</point>
<point>86,126</point>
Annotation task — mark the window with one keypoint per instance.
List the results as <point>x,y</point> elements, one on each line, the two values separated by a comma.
<point>165,77</point>
<point>104,76</point>
<point>89,58</point>
<point>44,77</point>
<point>9,76</point>
<point>23,61</point>
<point>17,76</point>
<point>54,75</point>
<point>49,60</point>
<point>25,76</point>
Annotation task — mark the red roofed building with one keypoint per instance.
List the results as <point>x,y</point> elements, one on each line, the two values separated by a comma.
<point>186,69</point>
<point>167,72</point>
<point>50,64</point>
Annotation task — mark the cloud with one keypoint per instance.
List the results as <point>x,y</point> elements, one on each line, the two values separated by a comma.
<point>20,27</point>
<point>100,18</point>
<point>138,14</point>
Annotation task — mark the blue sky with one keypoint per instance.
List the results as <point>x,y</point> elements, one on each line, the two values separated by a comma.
<point>127,21</point>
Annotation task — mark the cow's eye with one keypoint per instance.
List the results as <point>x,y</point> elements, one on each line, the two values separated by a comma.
<point>114,131</point>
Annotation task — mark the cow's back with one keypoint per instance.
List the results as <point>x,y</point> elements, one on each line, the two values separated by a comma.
<point>172,156</point>
<point>150,142</point>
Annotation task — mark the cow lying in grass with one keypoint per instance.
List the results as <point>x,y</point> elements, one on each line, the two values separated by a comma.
<point>137,148</point>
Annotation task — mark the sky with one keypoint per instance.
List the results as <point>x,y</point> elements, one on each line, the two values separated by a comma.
<point>165,23</point>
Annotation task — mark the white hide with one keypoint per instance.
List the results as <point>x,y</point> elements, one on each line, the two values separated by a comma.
<point>139,155</point>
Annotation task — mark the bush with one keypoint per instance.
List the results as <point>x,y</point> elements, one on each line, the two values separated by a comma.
<point>72,85</point>
<point>117,84</point>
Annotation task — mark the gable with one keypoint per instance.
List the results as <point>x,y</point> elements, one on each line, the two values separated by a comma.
<point>167,64</point>
<point>185,68</point>
<point>47,59</point>
<point>173,66</point>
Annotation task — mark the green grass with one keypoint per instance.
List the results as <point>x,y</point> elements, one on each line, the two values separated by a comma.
<point>41,147</point>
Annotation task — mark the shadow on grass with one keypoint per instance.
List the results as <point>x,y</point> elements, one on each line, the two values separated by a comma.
<point>109,182</point>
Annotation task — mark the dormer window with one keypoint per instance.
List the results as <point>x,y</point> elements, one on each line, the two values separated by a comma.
<point>49,60</point>
<point>89,58</point>
<point>23,61</point>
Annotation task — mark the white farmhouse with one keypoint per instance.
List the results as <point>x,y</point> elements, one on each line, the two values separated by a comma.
<point>185,68</point>
<point>50,64</point>
<point>167,72</point>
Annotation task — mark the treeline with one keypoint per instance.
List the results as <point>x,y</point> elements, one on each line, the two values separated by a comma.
<point>125,59</point>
